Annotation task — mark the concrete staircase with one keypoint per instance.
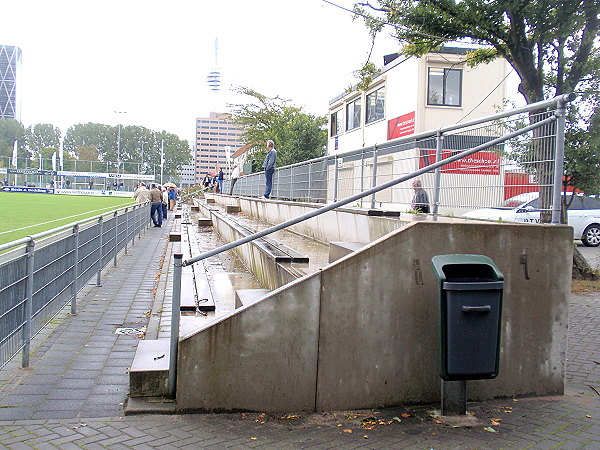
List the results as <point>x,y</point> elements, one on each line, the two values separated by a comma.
<point>343,310</point>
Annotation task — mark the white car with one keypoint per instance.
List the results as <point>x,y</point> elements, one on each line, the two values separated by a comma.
<point>583,214</point>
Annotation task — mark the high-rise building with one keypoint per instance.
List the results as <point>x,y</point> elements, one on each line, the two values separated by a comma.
<point>10,68</point>
<point>213,135</point>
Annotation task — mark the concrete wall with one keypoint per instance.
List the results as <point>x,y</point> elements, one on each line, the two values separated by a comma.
<point>337,225</point>
<point>364,331</point>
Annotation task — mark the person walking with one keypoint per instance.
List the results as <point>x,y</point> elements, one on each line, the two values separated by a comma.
<point>141,194</point>
<point>235,174</point>
<point>269,166</point>
<point>420,201</point>
<point>165,202</point>
<point>220,178</point>
<point>172,198</point>
<point>156,209</point>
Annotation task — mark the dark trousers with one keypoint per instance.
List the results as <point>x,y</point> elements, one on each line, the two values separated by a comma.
<point>156,213</point>
<point>269,181</point>
<point>164,211</point>
<point>233,180</point>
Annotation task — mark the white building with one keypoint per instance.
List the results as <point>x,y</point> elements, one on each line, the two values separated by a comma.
<point>410,96</point>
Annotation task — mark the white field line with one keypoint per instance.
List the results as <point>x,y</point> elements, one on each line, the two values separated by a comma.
<point>62,218</point>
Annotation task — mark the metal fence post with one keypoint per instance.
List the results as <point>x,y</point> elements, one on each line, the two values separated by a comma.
<point>335,178</point>
<point>126,229</point>
<point>439,143</point>
<point>559,156</point>
<point>362,173</point>
<point>28,307</point>
<point>292,183</point>
<point>100,248</point>
<point>175,307</point>
<point>374,182</point>
<point>309,179</point>
<point>116,237</point>
<point>75,270</point>
<point>278,183</point>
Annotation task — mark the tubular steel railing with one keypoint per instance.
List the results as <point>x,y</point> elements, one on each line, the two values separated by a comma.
<point>42,273</point>
<point>534,150</point>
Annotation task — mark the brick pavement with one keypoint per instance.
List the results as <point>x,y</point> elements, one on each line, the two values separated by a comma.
<point>73,395</point>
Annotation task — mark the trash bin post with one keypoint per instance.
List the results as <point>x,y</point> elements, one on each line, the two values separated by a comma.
<point>470,297</point>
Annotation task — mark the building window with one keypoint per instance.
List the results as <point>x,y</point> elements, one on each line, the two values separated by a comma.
<point>353,114</point>
<point>336,123</point>
<point>375,105</point>
<point>444,87</point>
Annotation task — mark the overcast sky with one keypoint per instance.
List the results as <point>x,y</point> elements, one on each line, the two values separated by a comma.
<point>83,60</point>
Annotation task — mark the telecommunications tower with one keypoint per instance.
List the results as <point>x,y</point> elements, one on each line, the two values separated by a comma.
<point>214,77</point>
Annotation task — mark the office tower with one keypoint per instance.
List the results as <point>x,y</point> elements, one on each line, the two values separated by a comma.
<point>10,68</point>
<point>213,135</point>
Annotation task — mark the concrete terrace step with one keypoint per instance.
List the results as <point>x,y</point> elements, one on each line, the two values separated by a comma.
<point>276,259</point>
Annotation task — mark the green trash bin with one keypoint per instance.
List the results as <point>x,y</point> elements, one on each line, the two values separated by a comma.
<point>470,297</point>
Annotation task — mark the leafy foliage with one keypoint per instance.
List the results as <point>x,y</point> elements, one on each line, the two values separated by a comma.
<point>298,136</point>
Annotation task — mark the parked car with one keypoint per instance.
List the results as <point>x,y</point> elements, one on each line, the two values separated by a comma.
<point>583,214</point>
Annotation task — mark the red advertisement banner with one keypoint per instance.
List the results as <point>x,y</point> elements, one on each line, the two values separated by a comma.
<point>401,126</point>
<point>481,163</point>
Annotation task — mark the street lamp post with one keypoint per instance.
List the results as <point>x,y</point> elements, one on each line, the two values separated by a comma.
<point>119,141</point>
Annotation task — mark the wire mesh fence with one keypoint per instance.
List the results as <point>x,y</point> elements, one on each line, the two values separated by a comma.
<point>40,275</point>
<point>503,167</point>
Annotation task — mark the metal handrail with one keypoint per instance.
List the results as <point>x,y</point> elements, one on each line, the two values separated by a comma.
<point>368,192</point>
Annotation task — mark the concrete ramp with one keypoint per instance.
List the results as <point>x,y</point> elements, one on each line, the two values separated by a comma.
<point>363,332</point>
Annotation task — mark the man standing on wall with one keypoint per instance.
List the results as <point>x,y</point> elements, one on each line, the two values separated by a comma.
<point>269,166</point>
<point>235,174</point>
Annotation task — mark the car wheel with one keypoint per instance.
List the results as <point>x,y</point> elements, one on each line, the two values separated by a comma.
<point>591,236</point>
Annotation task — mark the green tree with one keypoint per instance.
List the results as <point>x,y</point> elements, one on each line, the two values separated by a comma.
<point>11,130</point>
<point>549,43</point>
<point>42,136</point>
<point>176,152</point>
<point>298,136</point>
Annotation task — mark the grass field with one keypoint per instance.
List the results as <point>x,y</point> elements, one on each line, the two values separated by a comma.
<point>24,214</point>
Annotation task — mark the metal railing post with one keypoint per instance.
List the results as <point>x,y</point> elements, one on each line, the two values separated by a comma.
<point>278,183</point>
<point>126,230</point>
<point>439,145</point>
<point>175,307</point>
<point>292,183</point>
<point>116,237</point>
<point>75,270</point>
<point>335,178</point>
<point>362,173</point>
<point>374,182</point>
<point>100,249</point>
<point>309,180</point>
<point>559,156</point>
<point>28,307</point>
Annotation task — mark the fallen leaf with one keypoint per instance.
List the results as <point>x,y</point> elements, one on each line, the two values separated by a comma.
<point>348,431</point>
<point>490,429</point>
<point>397,419</point>
<point>253,439</point>
<point>365,437</point>
<point>405,415</point>
<point>339,424</point>
<point>588,416</point>
<point>438,421</point>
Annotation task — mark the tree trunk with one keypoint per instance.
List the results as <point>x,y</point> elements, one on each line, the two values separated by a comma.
<point>581,269</point>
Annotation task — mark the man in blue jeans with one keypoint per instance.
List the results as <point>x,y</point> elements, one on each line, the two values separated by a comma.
<point>269,166</point>
<point>156,212</point>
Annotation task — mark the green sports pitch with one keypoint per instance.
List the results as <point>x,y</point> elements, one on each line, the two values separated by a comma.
<point>24,214</point>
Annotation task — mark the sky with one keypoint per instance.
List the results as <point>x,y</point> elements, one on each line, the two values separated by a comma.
<point>149,59</point>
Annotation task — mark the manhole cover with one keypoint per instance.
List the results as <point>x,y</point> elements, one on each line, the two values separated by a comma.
<point>131,331</point>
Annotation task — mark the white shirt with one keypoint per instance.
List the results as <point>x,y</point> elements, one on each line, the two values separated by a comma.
<point>235,173</point>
